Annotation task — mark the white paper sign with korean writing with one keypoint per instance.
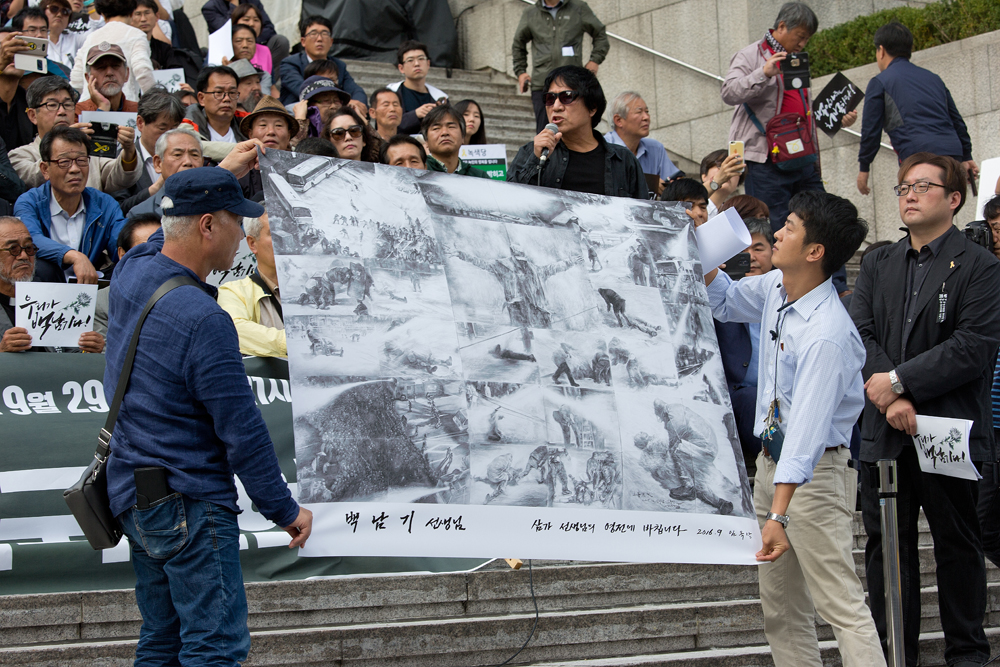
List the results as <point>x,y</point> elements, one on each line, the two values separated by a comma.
<point>55,314</point>
<point>943,447</point>
<point>244,264</point>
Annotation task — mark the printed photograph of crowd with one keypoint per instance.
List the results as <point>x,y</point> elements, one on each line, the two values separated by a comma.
<point>479,348</point>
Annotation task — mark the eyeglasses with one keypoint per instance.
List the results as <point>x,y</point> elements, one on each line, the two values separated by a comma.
<point>38,31</point>
<point>222,94</point>
<point>418,59</point>
<point>354,130</point>
<point>58,11</point>
<point>920,187</point>
<point>15,250</point>
<point>565,97</point>
<point>313,34</point>
<point>66,162</point>
<point>55,106</point>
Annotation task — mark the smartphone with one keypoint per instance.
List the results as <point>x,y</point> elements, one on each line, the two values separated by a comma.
<point>738,265</point>
<point>150,486</point>
<point>36,46</point>
<point>104,141</point>
<point>31,63</point>
<point>736,148</point>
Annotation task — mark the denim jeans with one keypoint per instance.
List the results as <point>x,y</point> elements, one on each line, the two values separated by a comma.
<point>189,585</point>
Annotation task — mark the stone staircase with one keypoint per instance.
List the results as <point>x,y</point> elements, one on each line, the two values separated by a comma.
<point>591,615</point>
<point>509,116</point>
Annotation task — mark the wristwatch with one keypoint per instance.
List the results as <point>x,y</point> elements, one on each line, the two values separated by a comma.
<point>897,386</point>
<point>714,186</point>
<point>780,518</point>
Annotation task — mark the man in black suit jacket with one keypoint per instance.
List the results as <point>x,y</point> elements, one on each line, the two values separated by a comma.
<point>926,309</point>
<point>159,111</point>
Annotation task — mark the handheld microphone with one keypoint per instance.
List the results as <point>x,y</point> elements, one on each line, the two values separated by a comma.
<point>554,129</point>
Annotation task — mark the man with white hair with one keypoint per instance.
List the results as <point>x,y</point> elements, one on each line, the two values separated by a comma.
<point>176,150</point>
<point>254,302</point>
<point>190,416</point>
<point>630,119</point>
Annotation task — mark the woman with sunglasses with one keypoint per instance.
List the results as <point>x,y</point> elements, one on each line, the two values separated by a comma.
<point>577,157</point>
<point>351,136</point>
<point>475,121</point>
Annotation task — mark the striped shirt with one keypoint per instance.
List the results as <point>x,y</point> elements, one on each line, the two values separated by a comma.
<point>810,358</point>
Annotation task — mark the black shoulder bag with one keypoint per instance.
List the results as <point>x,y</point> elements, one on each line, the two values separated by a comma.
<point>88,498</point>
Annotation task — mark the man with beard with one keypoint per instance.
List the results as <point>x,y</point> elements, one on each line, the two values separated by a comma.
<point>106,73</point>
<point>17,265</point>
<point>523,284</point>
<point>50,105</point>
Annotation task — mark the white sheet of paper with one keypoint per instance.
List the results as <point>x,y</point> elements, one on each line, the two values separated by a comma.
<point>220,44</point>
<point>943,447</point>
<point>171,79</point>
<point>568,52</point>
<point>243,265</point>
<point>55,314</point>
<point>117,117</point>
<point>720,238</point>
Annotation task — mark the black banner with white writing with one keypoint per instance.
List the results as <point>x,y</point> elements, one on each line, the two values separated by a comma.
<point>51,409</point>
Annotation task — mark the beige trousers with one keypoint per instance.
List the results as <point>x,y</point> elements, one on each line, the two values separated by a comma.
<point>817,570</point>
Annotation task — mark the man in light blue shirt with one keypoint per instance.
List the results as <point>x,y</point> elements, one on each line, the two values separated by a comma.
<point>630,118</point>
<point>809,395</point>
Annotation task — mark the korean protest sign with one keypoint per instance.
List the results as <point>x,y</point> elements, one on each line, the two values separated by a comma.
<point>943,447</point>
<point>478,366</point>
<point>491,158</point>
<point>839,97</point>
<point>55,314</point>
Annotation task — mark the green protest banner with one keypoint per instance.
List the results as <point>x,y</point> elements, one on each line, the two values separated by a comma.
<point>51,409</point>
<point>491,158</point>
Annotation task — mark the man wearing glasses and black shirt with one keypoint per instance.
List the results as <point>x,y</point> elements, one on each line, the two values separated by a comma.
<point>417,97</point>
<point>214,116</point>
<point>577,157</point>
<point>925,307</point>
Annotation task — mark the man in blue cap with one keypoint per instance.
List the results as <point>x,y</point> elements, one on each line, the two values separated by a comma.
<point>187,423</point>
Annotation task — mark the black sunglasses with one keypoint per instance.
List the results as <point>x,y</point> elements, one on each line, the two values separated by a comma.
<point>354,130</point>
<point>565,97</point>
<point>16,250</point>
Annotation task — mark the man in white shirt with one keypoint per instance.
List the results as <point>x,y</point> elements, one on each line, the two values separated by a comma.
<point>118,30</point>
<point>809,396</point>
<point>63,44</point>
<point>630,120</point>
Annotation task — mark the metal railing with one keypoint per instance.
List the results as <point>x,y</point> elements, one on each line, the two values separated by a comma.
<point>681,63</point>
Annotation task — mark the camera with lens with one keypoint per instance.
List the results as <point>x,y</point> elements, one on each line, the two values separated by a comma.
<point>979,232</point>
<point>795,71</point>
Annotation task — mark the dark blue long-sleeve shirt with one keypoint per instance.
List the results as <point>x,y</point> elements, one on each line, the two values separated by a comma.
<point>188,406</point>
<point>916,110</point>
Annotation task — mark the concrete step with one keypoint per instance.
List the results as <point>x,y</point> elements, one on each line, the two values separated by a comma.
<point>931,655</point>
<point>560,636</point>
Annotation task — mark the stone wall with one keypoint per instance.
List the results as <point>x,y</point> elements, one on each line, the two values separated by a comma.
<point>688,115</point>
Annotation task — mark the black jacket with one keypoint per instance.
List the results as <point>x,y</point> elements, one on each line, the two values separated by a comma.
<point>217,12</point>
<point>622,174</point>
<point>949,366</point>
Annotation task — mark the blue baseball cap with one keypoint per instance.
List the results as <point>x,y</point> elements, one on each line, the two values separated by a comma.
<point>205,190</point>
